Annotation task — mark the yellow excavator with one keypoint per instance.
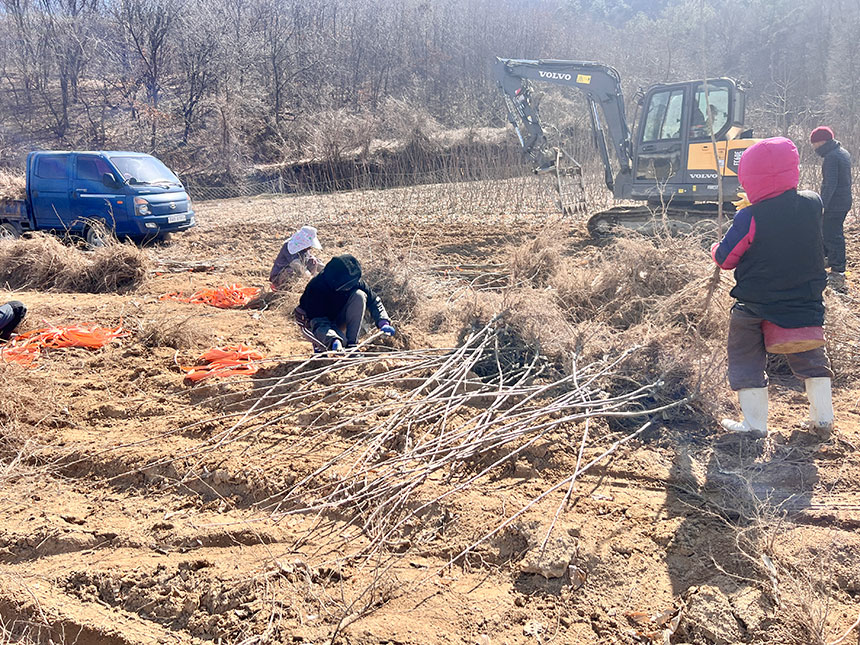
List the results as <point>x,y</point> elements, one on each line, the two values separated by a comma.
<point>667,162</point>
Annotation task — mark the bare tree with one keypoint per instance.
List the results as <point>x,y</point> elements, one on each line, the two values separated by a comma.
<point>221,83</point>
<point>196,59</point>
<point>148,24</point>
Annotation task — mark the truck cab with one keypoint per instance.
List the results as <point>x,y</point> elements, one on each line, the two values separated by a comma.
<point>132,194</point>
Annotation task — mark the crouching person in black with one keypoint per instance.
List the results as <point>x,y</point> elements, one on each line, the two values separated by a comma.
<point>11,314</point>
<point>332,306</point>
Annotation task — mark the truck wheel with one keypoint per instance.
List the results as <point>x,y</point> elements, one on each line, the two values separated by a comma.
<point>8,232</point>
<point>96,236</point>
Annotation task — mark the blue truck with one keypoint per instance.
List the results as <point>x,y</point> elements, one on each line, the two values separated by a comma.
<point>130,194</point>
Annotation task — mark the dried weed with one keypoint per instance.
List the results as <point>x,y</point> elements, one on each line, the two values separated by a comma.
<point>43,262</point>
<point>29,410</point>
<point>537,262</point>
<point>531,326</point>
<point>637,292</point>
<point>13,185</point>
<point>394,275</point>
<point>638,280</point>
<point>842,331</point>
<point>178,332</point>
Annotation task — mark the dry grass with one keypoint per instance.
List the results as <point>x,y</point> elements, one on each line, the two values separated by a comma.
<point>652,293</point>
<point>178,332</point>
<point>391,271</point>
<point>638,280</point>
<point>531,327</point>
<point>536,262</point>
<point>636,292</point>
<point>842,331</point>
<point>13,185</point>
<point>43,262</point>
<point>29,413</point>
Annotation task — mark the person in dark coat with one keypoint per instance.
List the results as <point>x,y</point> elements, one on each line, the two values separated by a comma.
<point>774,245</point>
<point>332,306</point>
<point>11,314</point>
<point>836,197</point>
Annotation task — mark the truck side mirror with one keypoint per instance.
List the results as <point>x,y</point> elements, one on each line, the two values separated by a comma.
<point>109,180</point>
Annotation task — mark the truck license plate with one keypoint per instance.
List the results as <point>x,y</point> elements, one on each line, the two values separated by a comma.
<point>178,217</point>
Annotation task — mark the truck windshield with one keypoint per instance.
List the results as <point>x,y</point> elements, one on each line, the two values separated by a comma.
<point>144,170</point>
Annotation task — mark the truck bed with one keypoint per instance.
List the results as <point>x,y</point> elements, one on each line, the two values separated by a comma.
<point>13,210</point>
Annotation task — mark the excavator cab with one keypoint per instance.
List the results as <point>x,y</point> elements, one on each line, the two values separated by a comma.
<point>673,155</point>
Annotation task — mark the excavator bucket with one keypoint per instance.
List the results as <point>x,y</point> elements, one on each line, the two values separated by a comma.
<point>566,178</point>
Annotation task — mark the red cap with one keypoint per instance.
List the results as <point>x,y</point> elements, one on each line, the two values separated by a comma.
<point>821,133</point>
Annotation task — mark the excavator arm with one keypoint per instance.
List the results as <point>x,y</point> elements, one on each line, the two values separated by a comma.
<point>602,87</point>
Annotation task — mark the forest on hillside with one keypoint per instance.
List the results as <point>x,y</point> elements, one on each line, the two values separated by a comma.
<point>215,87</point>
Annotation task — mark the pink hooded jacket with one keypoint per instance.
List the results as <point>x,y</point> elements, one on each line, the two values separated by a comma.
<point>769,168</point>
<point>774,245</point>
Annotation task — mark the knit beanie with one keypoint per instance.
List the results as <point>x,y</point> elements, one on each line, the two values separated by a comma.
<point>821,133</point>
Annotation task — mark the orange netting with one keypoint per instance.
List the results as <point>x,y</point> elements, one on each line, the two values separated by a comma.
<point>24,349</point>
<point>223,361</point>
<point>234,295</point>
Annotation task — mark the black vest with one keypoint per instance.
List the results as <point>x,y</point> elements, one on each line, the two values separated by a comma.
<point>781,276</point>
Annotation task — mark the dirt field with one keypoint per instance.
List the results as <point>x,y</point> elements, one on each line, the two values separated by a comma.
<point>139,509</point>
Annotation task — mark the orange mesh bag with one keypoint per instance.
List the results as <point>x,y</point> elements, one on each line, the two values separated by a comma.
<point>227,297</point>
<point>220,362</point>
<point>24,349</point>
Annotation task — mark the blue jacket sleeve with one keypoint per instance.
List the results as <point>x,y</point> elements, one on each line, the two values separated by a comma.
<point>374,303</point>
<point>736,241</point>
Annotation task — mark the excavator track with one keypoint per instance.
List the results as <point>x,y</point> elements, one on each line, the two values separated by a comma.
<point>654,220</point>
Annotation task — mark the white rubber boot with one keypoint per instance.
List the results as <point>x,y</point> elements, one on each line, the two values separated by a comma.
<point>820,405</point>
<point>753,402</point>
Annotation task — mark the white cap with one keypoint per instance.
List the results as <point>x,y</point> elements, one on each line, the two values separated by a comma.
<point>304,238</point>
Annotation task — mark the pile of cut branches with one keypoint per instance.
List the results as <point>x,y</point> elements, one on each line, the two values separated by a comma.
<point>392,422</point>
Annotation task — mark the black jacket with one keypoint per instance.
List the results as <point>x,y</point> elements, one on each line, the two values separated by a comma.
<point>780,276</point>
<point>326,294</point>
<point>835,177</point>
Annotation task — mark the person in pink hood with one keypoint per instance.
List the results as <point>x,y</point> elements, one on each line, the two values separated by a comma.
<point>775,247</point>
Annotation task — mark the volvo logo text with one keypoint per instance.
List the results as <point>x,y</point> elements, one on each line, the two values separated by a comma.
<point>556,75</point>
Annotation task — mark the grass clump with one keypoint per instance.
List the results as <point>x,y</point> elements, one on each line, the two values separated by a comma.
<point>13,185</point>
<point>640,294</point>
<point>644,280</point>
<point>44,263</point>
<point>393,273</point>
<point>177,332</point>
<point>536,262</point>
<point>530,325</point>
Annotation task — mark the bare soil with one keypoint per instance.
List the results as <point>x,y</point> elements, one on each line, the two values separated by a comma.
<point>122,523</point>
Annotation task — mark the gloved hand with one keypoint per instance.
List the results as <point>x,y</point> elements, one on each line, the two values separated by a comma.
<point>386,327</point>
<point>742,202</point>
